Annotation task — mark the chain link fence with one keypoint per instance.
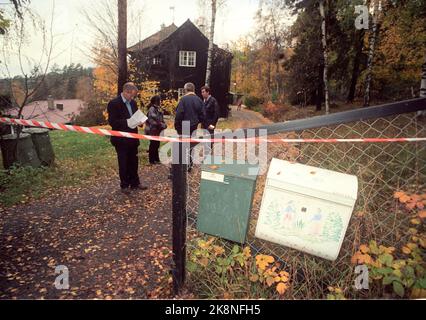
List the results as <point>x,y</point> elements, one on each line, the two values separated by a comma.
<point>382,168</point>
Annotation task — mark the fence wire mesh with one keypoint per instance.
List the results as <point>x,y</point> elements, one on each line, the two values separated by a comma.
<point>381,168</point>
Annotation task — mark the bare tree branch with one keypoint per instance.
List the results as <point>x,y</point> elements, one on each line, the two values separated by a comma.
<point>32,72</point>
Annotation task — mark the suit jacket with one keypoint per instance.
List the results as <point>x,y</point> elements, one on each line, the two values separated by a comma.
<point>190,108</point>
<point>211,109</point>
<point>117,119</point>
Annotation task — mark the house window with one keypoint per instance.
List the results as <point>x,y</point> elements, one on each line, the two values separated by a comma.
<point>156,60</point>
<point>180,93</point>
<point>187,58</point>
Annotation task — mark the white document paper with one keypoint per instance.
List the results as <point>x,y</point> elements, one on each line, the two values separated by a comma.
<point>137,119</point>
<point>212,176</point>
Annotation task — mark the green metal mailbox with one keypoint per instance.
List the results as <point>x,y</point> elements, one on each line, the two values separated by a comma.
<point>226,194</point>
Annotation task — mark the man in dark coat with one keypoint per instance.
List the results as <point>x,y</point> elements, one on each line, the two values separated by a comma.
<point>120,110</point>
<point>211,112</point>
<point>190,108</point>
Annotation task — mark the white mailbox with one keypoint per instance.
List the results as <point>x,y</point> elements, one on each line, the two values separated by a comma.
<point>306,208</point>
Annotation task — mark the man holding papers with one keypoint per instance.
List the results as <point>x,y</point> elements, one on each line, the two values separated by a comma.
<point>124,115</point>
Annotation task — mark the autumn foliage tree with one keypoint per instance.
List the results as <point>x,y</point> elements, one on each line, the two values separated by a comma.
<point>291,70</point>
<point>257,70</point>
<point>401,51</point>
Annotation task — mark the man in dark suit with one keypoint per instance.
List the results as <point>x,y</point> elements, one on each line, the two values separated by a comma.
<point>120,110</point>
<point>190,108</point>
<point>211,112</point>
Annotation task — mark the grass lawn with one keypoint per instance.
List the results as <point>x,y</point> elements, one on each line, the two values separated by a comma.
<point>229,123</point>
<point>79,159</point>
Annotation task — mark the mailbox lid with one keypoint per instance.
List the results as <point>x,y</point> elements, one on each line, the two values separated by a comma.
<point>321,183</point>
<point>231,167</point>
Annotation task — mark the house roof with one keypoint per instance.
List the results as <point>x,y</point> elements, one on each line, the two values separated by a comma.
<point>39,110</point>
<point>154,39</point>
<point>165,33</point>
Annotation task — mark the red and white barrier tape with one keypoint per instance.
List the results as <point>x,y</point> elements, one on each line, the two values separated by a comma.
<point>105,132</point>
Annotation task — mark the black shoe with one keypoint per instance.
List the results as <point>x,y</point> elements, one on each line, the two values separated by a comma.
<point>139,187</point>
<point>126,191</point>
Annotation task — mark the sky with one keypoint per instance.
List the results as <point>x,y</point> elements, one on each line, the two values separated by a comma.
<point>72,35</point>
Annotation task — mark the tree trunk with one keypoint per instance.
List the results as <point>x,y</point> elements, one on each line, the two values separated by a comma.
<point>277,79</point>
<point>211,37</point>
<point>324,44</point>
<point>423,83</point>
<point>373,40</point>
<point>122,45</point>
<point>268,78</point>
<point>423,88</point>
<point>319,89</point>
<point>355,71</point>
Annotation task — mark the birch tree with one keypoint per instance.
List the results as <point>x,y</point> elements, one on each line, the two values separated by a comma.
<point>214,5</point>
<point>423,87</point>
<point>271,31</point>
<point>211,38</point>
<point>324,45</point>
<point>377,8</point>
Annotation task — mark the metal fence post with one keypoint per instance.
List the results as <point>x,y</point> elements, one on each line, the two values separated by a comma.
<point>179,173</point>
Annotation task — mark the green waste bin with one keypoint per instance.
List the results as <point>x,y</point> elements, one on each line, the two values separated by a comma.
<point>42,144</point>
<point>226,195</point>
<point>18,151</point>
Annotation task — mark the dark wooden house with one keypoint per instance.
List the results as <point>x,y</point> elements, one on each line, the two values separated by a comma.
<point>177,55</point>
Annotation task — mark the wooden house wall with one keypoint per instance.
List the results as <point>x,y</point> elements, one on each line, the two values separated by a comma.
<point>172,76</point>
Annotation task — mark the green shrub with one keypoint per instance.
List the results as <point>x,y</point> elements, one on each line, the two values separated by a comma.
<point>252,102</point>
<point>92,115</point>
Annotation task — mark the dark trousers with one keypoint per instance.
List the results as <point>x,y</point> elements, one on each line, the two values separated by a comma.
<point>184,151</point>
<point>209,145</point>
<point>192,145</point>
<point>128,165</point>
<point>153,151</point>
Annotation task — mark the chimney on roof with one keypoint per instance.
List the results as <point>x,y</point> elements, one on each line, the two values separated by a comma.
<point>163,26</point>
<point>201,23</point>
<point>50,104</point>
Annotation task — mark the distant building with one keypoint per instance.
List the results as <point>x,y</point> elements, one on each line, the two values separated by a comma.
<point>176,55</point>
<point>59,111</point>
